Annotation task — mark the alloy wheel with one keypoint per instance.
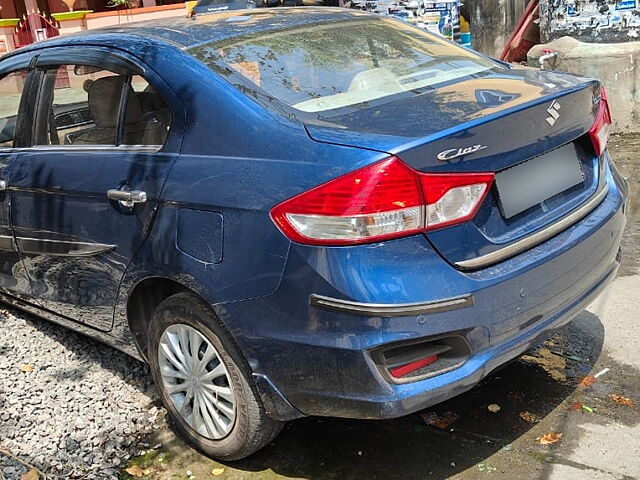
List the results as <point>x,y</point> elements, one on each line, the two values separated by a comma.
<point>197,381</point>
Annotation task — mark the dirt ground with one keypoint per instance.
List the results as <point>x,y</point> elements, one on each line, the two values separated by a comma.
<point>542,393</point>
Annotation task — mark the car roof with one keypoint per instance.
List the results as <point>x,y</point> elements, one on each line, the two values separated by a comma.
<point>186,33</point>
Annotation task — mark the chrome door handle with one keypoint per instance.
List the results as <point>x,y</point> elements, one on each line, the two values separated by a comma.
<point>3,185</point>
<point>127,198</point>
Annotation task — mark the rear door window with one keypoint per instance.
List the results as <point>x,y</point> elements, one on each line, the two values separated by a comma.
<point>148,118</point>
<point>81,105</point>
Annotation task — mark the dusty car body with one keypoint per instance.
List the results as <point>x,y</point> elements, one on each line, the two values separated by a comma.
<point>302,212</point>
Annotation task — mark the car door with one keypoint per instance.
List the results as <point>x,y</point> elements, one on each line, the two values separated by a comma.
<point>105,132</point>
<point>14,88</point>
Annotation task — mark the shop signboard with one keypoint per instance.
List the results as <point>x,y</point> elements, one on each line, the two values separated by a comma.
<point>440,17</point>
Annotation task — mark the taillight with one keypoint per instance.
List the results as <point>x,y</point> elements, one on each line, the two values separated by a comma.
<point>381,201</point>
<point>601,127</point>
<point>453,198</point>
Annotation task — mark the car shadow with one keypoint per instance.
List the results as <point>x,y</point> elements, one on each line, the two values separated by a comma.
<point>457,434</point>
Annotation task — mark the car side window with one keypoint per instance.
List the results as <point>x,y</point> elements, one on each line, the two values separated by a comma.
<point>147,119</point>
<point>80,105</point>
<point>11,87</point>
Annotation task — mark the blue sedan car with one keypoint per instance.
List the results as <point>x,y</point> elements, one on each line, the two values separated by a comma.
<point>301,212</point>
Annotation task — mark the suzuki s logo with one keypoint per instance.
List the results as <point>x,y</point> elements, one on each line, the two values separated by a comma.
<point>553,113</point>
<point>454,153</point>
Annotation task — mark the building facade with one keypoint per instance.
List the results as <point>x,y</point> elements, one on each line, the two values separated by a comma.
<point>19,8</point>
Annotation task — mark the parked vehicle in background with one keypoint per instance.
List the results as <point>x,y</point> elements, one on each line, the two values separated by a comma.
<point>301,211</point>
<point>219,6</point>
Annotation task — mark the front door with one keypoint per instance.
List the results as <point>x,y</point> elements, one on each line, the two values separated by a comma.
<point>105,132</point>
<point>13,95</point>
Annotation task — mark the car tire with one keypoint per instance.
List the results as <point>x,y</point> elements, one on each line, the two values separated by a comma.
<point>251,429</point>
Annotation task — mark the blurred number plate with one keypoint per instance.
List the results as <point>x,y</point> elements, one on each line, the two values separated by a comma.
<point>532,182</point>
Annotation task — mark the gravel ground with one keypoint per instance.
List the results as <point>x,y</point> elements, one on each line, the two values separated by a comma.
<point>69,406</point>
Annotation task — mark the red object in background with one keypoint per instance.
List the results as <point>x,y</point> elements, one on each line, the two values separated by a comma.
<point>525,35</point>
<point>34,28</point>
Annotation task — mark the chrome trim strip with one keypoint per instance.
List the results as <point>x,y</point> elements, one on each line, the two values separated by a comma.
<point>535,238</point>
<point>40,246</point>
<point>85,148</point>
<point>390,309</point>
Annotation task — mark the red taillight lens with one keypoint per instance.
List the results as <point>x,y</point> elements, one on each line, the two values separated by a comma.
<point>601,127</point>
<point>385,200</point>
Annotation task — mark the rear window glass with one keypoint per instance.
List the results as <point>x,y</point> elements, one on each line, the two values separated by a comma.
<point>331,66</point>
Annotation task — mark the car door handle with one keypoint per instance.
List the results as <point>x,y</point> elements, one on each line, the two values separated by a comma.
<point>3,185</point>
<point>127,198</point>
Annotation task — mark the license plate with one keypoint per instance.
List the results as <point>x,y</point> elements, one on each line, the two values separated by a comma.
<point>532,182</point>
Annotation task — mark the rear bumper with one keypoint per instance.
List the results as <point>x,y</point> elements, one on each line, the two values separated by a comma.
<point>411,397</point>
<point>317,357</point>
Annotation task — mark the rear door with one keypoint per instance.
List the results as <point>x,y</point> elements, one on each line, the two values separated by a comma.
<point>106,130</point>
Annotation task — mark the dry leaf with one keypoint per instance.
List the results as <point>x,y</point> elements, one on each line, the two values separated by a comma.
<point>136,471</point>
<point>516,396</point>
<point>548,438</point>
<point>439,421</point>
<point>26,368</point>
<point>217,471</point>
<point>30,475</point>
<point>494,408</point>
<point>575,406</point>
<point>587,381</point>
<point>620,400</point>
<point>529,417</point>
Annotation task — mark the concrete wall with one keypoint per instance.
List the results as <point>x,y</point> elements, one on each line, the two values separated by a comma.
<point>603,21</point>
<point>492,21</point>
<point>597,39</point>
<point>614,64</point>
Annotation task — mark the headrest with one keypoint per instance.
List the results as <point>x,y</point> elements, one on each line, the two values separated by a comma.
<point>104,101</point>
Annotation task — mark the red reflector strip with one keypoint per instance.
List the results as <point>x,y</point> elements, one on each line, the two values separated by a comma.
<point>399,372</point>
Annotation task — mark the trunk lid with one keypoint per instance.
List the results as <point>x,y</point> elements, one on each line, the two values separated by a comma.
<point>490,123</point>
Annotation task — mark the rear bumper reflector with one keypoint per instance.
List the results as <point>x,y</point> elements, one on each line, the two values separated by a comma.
<point>389,309</point>
<point>399,372</point>
<point>416,360</point>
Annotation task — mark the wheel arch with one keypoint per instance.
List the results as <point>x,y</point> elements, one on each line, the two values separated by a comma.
<point>142,302</point>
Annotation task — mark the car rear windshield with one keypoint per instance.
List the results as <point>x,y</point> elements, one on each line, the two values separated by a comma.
<point>340,65</point>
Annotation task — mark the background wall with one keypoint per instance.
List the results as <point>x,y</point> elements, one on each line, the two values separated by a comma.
<point>492,21</point>
<point>603,21</point>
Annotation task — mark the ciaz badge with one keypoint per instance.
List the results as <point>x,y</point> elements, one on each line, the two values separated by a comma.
<point>452,154</point>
